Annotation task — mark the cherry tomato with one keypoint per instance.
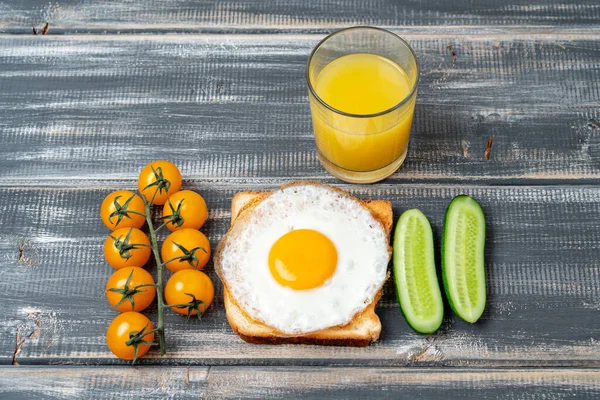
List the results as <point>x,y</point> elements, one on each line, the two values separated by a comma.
<point>194,282</point>
<point>189,244</point>
<point>123,293</point>
<point>118,210</point>
<point>160,177</point>
<point>127,247</point>
<point>123,328</point>
<point>186,209</point>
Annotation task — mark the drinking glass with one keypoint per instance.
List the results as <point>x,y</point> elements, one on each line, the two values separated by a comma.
<point>357,147</point>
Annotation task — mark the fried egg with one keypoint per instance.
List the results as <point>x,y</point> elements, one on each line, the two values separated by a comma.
<point>306,258</point>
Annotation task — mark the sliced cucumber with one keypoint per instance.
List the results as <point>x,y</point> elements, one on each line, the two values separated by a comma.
<point>463,244</point>
<point>416,281</point>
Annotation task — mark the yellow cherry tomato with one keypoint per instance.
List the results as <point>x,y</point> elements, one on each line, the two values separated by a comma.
<point>185,209</point>
<point>127,247</point>
<point>158,181</point>
<point>189,244</point>
<point>188,282</point>
<point>123,290</point>
<point>123,328</point>
<point>120,210</point>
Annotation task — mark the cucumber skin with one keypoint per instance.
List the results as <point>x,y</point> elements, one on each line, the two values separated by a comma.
<point>444,278</point>
<point>398,295</point>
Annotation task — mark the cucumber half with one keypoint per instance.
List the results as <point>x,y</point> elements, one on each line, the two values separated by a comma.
<point>463,244</point>
<point>416,281</point>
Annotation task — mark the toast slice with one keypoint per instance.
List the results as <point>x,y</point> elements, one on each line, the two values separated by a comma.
<point>362,330</point>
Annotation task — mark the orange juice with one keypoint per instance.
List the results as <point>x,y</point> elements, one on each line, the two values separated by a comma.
<point>362,85</point>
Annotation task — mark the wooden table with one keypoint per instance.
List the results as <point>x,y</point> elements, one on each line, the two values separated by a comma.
<point>219,89</point>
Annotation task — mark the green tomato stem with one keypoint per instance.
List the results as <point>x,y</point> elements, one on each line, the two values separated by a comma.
<point>136,213</point>
<point>159,266</point>
<point>172,259</point>
<point>162,226</point>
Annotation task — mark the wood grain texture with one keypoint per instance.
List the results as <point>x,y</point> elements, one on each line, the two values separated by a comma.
<point>394,383</point>
<point>222,83</point>
<point>62,383</point>
<point>93,108</point>
<point>543,280</point>
<point>84,16</point>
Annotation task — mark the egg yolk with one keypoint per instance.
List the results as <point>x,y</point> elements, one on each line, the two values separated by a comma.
<point>302,259</point>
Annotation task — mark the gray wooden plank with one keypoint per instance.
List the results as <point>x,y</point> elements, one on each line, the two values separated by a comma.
<point>541,260</point>
<point>75,16</point>
<point>91,108</point>
<point>393,383</point>
<point>61,383</point>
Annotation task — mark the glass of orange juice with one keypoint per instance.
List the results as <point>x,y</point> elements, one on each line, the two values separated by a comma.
<point>362,85</point>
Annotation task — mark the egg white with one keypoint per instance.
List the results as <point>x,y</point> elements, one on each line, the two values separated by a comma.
<point>361,244</point>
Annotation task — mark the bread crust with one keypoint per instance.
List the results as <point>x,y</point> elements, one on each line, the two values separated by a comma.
<point>362,330</point>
